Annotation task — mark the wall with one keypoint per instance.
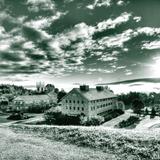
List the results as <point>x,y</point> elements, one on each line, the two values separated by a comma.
<point>73,103</point>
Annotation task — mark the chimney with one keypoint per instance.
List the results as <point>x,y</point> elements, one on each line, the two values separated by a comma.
<point>99,88</point>
<point>84,88</point>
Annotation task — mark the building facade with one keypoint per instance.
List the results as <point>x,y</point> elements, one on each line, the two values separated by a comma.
<point>89,101</point>
<point>24,102</point>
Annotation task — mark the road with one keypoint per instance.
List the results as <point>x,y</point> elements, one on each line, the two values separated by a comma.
<point>18,146</point>
<point>118,119</point>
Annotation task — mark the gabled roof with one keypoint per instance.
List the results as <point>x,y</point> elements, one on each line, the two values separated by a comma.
<point>93,94</point>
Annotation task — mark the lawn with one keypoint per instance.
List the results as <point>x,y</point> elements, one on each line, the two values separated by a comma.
<point>122,143</point>
<point>3,119</point>
<point>18,146</point>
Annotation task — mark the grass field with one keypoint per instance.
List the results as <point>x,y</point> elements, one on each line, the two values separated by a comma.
<point>123,144</point>
<point>18,146</point>
<point>3,119</point>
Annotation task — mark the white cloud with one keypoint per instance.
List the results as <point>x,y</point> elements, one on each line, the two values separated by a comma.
<point>151,45</point>
<point>42,22</point>
<point>137,19</point>
<point>124,17</point>
<point>36,5</point>
<point>128,72</point>
<point>121,67</point>
<point>99,3</point>
<point>4,45</point>
<point>107,58</point>
<point>148,31</point>
<point>117,40</point>
<point>120,3</point>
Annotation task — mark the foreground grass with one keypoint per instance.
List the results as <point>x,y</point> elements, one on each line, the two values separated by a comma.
<point>124,144</point>
<point>21,146</point>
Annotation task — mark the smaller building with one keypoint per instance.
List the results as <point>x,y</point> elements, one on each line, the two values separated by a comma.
<point>24,102</point>
<point>89,101</point>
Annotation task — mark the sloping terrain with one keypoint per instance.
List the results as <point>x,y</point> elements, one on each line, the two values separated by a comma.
<point>122,143</point>
<point>18,146</point>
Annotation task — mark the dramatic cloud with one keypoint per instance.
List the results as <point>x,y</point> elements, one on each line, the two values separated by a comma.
<point>79,39</point>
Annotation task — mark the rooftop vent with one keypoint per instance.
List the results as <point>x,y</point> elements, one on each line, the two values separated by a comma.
<point>99,88</point>
<point>84,87</point>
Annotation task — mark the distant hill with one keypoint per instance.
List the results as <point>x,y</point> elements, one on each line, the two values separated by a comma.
<point>13,89</point>
<point>149,80</point>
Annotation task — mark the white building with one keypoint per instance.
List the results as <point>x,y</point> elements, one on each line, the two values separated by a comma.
<point>23,102</point>
<point>89,101</point>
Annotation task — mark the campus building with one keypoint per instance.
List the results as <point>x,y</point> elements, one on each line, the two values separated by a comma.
<point>89,101</point>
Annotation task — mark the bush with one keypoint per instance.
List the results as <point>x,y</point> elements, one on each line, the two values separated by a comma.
<point>17,116</point>
<point>38,108</point>
<point>58,118</point>
<point>153,113</point>
<point>131,120</point>
<point>92,121</point>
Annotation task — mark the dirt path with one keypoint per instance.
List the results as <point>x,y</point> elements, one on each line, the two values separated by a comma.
<point>15,146</point>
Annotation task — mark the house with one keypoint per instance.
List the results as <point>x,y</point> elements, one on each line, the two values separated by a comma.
<point>89,101</point>
<point>23,102</point>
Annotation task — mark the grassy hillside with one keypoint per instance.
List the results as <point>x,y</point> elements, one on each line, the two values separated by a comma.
<point>17,146</point>
<point>124,144</point>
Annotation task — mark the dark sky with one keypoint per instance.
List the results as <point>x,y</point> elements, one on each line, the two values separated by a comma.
<point>78,41</point>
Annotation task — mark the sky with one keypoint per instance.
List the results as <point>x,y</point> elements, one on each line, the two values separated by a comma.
<point>69,42</point>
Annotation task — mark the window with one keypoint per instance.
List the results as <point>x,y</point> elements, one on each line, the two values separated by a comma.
<point>82,109</point>
<point>78,108</point>
<point>66,101</point>
<point>74,101</point>
<point>78,102</point>
<point>69,101</point>
<point>66,107</point>
<point>70,108</point>
<point>74,108</point>
<point>82,102</point>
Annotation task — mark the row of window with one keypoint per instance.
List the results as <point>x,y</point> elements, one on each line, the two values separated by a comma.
<point>102,100</point>
<point>70,101</point>
<point>75,108</point>
<point>94,101</point>
<point>101,106</point>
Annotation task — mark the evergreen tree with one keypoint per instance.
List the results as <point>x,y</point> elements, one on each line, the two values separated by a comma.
<point>153,113</point>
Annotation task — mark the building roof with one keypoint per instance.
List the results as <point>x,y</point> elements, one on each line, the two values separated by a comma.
<point>34,98</point>
<point>94,94</point>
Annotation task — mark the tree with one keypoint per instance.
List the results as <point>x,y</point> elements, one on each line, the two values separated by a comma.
<point>146,111</point>
<point>153,113</point>
<point>137,105</point>
<point>49,88</point>
<point>61,94</point>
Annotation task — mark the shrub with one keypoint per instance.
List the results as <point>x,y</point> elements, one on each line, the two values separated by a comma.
<point>38,108</point>
<point>153,113</point>
<point>58,118</point>
<point>131,120</point>
<point>92,121</point>
<point>17,116</point>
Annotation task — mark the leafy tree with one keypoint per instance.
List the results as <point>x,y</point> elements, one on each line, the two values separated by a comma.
<point>49,88</point>
<point>137,105</point>
<point>60,95</point>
